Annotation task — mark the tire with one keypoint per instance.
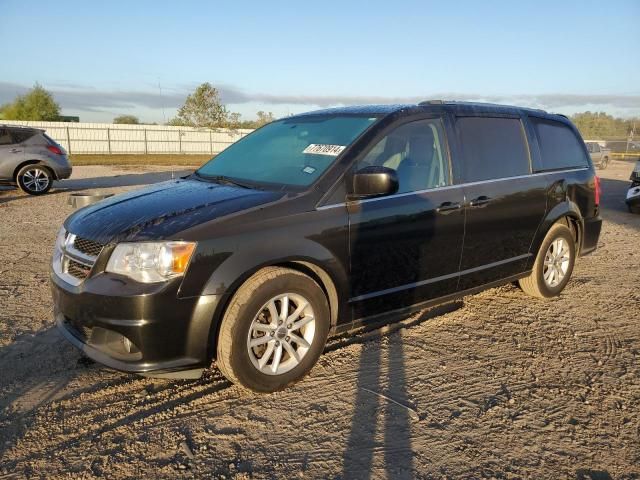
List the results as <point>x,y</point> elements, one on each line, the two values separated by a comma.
<point>544,280</point>
<point>34,179</point>
<point>605,162</point>
<point>249,318</point>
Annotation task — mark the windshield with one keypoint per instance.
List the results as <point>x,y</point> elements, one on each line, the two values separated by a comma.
<point>292,152</point>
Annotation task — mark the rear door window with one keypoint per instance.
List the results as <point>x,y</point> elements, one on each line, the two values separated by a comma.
<point>492,148</point>
<point>560,147</point>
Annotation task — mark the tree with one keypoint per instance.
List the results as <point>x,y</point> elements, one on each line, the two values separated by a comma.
<point>127,120</point>
<point>264,118</point>
<point>37,104</point>
<point>599,125</point>
<point>202,108</point>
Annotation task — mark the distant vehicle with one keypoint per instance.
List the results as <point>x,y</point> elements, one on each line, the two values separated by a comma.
<point>602,143</point>
<point>599,156</point>
<point>321,223</point>
<point>30,159</point>
<point>633,194</point>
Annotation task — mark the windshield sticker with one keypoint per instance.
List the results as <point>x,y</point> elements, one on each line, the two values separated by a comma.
<point>308,170</point>
<point>323,149</point>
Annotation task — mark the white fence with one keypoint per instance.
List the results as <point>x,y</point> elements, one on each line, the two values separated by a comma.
<point>107,138</point>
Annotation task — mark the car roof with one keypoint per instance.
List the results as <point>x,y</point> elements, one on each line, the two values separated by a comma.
<point>435,106</point>
<point>21,127</point>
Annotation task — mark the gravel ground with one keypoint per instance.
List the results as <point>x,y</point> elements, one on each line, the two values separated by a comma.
<point>502,385</point>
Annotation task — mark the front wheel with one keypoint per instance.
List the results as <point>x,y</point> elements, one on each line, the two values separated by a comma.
<point>554,264</point>
<point>34,179</point>
<point>273,330</point>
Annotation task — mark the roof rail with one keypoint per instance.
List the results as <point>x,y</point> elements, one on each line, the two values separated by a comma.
<point>432,102</point>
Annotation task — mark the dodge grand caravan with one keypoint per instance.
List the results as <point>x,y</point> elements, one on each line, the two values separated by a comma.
<point>319,223</point>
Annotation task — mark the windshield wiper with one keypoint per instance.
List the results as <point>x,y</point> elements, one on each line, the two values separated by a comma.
<point>223,179</point>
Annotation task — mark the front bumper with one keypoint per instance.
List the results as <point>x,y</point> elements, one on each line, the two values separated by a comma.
<point>144,329</point>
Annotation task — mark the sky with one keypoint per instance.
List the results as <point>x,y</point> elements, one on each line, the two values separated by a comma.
<point>103,59</point>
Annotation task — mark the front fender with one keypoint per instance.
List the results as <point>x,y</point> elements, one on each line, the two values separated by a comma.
<point>236,269</point>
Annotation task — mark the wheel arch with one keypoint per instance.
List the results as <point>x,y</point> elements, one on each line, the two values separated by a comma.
<point>32,162</point>
<point>566,212</point>
<point>326,281</point>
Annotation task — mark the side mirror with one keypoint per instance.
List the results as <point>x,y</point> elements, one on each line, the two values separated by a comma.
<point>374,181</point>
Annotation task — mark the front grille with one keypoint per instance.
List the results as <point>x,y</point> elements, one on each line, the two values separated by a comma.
<point>88,247</point>
<point>77,269</point>
<point>75,258</point>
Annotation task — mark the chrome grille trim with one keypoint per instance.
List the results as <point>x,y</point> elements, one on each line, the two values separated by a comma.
<point>73,262</point>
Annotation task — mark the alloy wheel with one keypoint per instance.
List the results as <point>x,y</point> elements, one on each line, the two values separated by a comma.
<point>35,180</point>
<point>281,334</point>
<point>556,262</point>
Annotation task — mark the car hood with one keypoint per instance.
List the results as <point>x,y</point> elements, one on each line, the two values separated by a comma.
<point>162,210</point>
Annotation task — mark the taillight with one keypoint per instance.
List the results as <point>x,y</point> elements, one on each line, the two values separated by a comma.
<point>598,190</point>
<point>54,149</point>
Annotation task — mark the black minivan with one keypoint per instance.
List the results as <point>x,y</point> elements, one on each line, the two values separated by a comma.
<point>319,223</point>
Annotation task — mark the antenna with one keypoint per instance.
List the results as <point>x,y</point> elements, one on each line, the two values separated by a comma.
<point>164,118</point>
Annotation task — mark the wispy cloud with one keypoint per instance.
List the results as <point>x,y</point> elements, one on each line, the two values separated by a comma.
<point>76,97</point>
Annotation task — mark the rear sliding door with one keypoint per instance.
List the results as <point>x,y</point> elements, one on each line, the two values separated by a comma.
<point>504,203</point>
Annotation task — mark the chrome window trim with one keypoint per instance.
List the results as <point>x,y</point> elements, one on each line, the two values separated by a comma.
<point>448,187</point>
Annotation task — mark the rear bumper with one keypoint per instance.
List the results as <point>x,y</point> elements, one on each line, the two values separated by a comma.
<point>63,172</point>
<point>153,332</point>
<point>591,234</point>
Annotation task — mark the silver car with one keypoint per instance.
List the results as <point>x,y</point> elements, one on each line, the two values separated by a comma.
<point>31,159</point>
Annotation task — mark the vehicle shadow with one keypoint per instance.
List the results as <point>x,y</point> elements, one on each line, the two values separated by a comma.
<point>382,384</point>
<point>8,194</point>
<point>126,180</point>
<point>35,370</point>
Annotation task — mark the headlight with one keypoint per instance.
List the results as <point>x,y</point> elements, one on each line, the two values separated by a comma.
<point>151,262</point>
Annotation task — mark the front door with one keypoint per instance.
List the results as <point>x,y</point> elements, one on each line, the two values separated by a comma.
<point>504,202</point>
<point>405,248</point>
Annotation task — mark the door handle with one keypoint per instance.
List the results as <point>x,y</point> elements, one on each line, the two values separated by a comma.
<point>481,201</point>
<point>448,207</point>
<point>15,150</point>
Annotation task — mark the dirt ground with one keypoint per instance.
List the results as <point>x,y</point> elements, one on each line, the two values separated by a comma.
<point>504,386</point>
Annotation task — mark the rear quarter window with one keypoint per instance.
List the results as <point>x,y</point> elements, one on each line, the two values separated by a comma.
<point>20,136</point>
<point>560,147</point>
<point>492,148</point>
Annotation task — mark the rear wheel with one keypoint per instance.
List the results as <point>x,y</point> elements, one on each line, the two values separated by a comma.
<point>554,264</point>
<point>273,330</point>
<point>34,179</point>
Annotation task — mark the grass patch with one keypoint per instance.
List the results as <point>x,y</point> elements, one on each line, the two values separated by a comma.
<point>139,159</point>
